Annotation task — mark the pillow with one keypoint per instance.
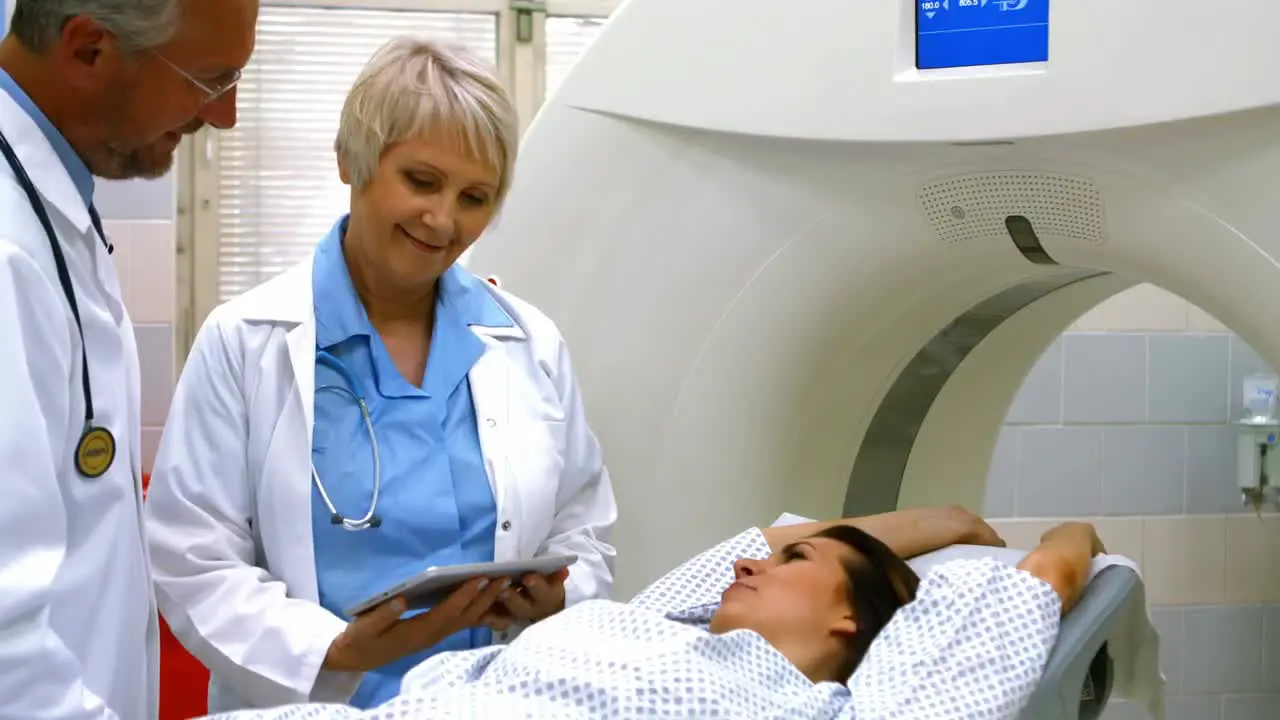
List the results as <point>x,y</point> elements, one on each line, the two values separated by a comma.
<point>924,563</point>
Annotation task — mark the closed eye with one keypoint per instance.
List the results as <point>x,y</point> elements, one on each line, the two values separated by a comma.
<point>792,553</point>
<point>475,199</point>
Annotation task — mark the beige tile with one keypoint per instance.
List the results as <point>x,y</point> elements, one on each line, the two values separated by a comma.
<point>1143,307</point>
<point>1200,321</point>
<point>1184,559</point>
<point>1022,533</point>
<point>1252,560</point>
<point>152,271</point>
<point>1122,536</point>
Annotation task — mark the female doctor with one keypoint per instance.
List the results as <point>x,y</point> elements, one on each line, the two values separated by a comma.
<point>372,412</point>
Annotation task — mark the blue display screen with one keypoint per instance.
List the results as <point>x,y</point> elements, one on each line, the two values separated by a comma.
<point>965,33</point>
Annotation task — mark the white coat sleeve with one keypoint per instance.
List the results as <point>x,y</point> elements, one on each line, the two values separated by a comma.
<point>585,506</point>
<point>39,677</point>
<point>231,614</point>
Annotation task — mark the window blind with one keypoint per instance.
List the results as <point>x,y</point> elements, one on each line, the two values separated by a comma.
<point>567,38</point>
<point>278,189</point>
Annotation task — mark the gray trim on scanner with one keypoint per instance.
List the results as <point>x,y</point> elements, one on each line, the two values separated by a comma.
<point>876,479</point>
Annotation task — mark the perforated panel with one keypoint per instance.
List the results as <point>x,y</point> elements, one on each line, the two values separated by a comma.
<point>975,206</point>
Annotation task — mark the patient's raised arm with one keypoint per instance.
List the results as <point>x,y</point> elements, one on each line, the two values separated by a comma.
<point>978,634</point>
<point>908,533</point>
<point>1063,559</point>
<point>691,592</point>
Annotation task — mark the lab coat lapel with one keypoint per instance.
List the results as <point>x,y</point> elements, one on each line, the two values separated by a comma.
<point>287,302</point>
<point>41,161</point>
<point>490,386</point>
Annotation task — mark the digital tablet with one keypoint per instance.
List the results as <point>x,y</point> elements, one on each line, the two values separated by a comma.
<point>433,585</point>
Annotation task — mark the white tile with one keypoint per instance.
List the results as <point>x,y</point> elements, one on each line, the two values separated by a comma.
<point>155,361</point>
<point>152,270</point>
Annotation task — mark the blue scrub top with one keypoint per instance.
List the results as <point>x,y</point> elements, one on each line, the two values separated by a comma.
<point>76,168</point>
<point>436,504</point>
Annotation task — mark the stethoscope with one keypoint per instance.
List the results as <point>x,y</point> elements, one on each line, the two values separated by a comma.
<point>353,390</point>
<point>97,447</point>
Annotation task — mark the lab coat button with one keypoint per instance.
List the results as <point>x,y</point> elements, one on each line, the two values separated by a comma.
<point>491,422</point>
<point>506,526</point>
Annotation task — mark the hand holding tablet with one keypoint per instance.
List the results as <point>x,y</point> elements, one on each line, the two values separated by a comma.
<point>381,635</point>
<point>535,598</point>
<point>460,596</point>
<point>431,586</point>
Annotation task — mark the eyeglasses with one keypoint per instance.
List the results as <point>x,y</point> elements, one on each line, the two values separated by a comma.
<point>211,92</point>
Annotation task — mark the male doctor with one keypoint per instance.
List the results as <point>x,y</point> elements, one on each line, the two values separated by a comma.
<point>105,88</point>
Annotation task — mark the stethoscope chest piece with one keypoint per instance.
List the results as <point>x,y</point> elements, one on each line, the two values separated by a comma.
<point>95,452</point>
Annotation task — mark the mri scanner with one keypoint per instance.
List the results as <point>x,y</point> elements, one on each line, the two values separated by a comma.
<point>805,252</point>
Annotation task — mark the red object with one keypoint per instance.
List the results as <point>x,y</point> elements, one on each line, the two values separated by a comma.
<point>184,682</point>
<point>494,281</point>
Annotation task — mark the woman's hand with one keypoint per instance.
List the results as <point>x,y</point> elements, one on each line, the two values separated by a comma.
<point>908,533</point>
<point>379,636</point>
<point>538,597</point>
<point>971,529</point>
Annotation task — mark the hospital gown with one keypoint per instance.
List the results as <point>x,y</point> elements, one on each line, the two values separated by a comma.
<point>972,646</point>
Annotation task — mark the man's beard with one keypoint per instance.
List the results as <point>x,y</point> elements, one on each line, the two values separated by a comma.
<point>144,163</point>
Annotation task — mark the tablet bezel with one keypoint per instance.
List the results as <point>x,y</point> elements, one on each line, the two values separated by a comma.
<point>432,585</point>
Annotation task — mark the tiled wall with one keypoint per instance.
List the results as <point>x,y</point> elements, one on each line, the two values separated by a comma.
<point>1125,419</point>
<point>139,217</point>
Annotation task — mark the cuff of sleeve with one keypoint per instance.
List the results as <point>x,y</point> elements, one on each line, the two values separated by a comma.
<point>329,686</point>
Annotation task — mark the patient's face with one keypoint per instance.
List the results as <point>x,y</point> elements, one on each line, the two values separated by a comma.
<point>799,597</point>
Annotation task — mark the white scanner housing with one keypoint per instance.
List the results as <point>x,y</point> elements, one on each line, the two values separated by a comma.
<point>798,273</point>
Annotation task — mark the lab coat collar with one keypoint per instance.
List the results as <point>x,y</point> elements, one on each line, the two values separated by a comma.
<point>48,173</point>
<point>79,172</point>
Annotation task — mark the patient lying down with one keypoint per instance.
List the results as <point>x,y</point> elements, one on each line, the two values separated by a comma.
<point>779,623</point>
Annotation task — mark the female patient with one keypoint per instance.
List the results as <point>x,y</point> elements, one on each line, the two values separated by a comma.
<point>771,624</point>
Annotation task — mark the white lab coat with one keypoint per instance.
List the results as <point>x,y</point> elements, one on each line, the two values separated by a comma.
<point>79,636</point>
<point>229,510</point>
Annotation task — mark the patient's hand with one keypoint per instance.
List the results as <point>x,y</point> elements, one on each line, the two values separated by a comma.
<point>1063,558</point>
<point>1077,530</point>
<point>973,530</point>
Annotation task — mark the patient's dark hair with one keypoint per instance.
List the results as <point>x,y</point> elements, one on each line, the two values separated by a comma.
<point>880,583</point>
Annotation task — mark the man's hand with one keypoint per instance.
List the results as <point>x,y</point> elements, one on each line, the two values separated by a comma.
<point>379,637</point>
<point>536,598</point>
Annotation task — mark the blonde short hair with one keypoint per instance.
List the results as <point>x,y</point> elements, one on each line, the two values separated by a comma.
<point>410,86</point>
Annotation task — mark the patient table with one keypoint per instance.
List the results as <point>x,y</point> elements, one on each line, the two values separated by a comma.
<point>1077,681</point>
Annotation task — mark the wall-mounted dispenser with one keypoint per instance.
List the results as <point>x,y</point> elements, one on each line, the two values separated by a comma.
<point>1257,452</point>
